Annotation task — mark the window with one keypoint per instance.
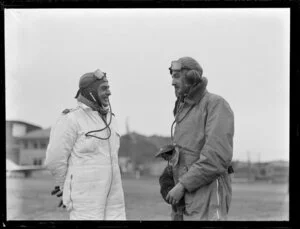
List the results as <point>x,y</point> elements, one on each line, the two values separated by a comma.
<point>16,151</point>
<point>43,145</point>
<point>25,145</point>
<point>35,145</point>
<point>37,161</point>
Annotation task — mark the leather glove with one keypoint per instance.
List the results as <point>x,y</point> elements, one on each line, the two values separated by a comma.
<point>56,191</point>
<point>61,204</point>
<point>166,152</point>
<point>166,182</point>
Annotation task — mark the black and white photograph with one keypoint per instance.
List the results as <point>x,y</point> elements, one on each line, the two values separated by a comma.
<point>158,114</point>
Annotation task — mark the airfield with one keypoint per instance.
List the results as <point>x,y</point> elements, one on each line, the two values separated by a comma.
<point>30,199</point>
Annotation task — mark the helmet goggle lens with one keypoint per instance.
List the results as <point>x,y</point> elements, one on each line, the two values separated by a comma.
<point>99,74</point>
<point>175,66</point>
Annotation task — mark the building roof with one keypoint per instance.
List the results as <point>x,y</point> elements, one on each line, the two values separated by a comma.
<point>37,134</point>
<point>23,122</point>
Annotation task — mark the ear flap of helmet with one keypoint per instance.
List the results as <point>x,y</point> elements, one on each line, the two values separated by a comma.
<point>193,77</point>
<point>90,94</point>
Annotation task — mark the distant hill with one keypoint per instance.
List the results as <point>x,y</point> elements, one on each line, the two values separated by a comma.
<point>159,141</point>
<point>141,148</point>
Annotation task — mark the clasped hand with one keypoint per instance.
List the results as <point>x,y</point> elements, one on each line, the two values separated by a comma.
<point>175,194</point>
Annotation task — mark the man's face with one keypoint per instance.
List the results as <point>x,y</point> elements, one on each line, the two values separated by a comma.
<point>103,93</point>
<point>179,83</point>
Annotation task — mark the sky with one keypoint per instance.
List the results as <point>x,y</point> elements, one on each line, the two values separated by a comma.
<point>244,54</point>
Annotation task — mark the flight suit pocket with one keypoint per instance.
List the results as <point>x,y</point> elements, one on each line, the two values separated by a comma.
<point>196,202</point>
<point>87,144</point>
<point>202,202</point>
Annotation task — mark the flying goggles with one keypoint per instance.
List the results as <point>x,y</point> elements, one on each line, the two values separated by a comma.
<point>176,66</point>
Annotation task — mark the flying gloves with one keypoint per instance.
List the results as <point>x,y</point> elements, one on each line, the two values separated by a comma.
<point>167,183</point>
<point>58,193</point>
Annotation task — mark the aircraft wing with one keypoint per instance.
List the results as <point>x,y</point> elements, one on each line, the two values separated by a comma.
<point>12,168</point>
<point>27,168</point>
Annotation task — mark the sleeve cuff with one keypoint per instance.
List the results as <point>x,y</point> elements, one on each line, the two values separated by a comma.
<point>184,185</point>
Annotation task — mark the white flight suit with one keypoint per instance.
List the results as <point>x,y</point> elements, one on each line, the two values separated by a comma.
<point>86,168</point>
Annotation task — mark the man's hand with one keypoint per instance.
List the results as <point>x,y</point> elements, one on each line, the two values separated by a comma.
<point>58,193</point>
<point>175,194</point>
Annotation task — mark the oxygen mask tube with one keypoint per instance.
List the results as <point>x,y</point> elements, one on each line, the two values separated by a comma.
<point>107,126</point>
<point>180,107</point>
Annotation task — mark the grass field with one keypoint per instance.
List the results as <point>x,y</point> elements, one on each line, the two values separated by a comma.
<point>30,199</point>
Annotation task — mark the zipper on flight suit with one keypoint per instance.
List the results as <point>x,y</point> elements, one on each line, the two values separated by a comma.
<point>111,164</point>
<point>218,199</point>
<point>71,201</point>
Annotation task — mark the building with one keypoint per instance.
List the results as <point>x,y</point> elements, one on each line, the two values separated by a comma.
<point>14,130</point>
<point>279,171</point>
<point>33,147</point>
<point>272,172</point>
